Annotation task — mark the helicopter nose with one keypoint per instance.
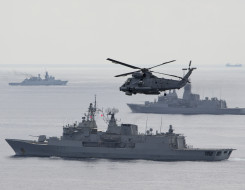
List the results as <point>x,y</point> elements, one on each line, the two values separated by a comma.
<point>122,88</point>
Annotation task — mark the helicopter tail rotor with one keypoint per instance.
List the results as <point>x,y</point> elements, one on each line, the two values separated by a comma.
<point>189,68</point>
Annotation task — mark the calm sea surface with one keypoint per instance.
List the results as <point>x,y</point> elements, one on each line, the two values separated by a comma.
<point>26,111</point>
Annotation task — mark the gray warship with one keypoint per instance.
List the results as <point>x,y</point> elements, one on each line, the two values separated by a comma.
<point>190,104</point>
<point>233,65</point>
<point>84,140</point>
<point>37,81</point>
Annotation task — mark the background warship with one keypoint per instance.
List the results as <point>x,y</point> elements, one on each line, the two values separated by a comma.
<point>83,140</point>
<point>36,81</point>
<point>189,104</point>
<point>233,65</point>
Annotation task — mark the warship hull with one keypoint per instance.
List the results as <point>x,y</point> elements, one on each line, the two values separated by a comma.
<point>158,109</point>
<point>140,151</point>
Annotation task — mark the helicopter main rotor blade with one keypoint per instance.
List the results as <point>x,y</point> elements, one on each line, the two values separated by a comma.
<point>125,74</point>
<point>121,63</point>
<point>170,75</point>
<point>167,74</point>
<point>161,64</point>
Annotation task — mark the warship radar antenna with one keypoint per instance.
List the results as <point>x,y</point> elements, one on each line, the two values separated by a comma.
<point>110,112</point>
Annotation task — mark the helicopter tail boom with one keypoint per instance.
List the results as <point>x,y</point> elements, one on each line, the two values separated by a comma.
<point>185,78</point>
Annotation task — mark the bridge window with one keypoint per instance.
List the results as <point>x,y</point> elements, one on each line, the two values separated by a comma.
<point>218,153</point>
<point>208,153</point>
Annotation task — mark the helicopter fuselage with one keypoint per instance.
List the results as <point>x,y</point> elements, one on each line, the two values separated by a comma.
<point>144,82</point>
<point>150,84</point>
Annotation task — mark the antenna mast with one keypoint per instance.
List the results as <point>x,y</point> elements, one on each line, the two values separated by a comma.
<point>95,101</point>
<point>161,126</point>
<point>146,124</point>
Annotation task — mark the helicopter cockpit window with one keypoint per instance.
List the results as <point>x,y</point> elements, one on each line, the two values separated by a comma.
<point>128,81</point>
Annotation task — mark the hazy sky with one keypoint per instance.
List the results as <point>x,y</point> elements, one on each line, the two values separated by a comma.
<point>134,31</point>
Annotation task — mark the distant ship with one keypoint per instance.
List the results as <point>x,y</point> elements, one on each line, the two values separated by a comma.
<point>84,140</point>
<point>36,81</point>
<point>233,65</point>
<point>190,104</point>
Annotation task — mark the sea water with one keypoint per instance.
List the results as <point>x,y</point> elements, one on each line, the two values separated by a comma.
<point>27,111</point>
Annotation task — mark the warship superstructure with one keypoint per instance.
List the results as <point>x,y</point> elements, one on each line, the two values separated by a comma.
<point>36,81</point>
<point>84,140</point>
<point>189,104</point>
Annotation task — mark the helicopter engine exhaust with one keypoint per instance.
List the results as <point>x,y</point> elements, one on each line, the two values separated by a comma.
<point>138,75</point>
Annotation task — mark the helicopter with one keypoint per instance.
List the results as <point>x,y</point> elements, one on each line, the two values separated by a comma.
<point>144,82</point>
